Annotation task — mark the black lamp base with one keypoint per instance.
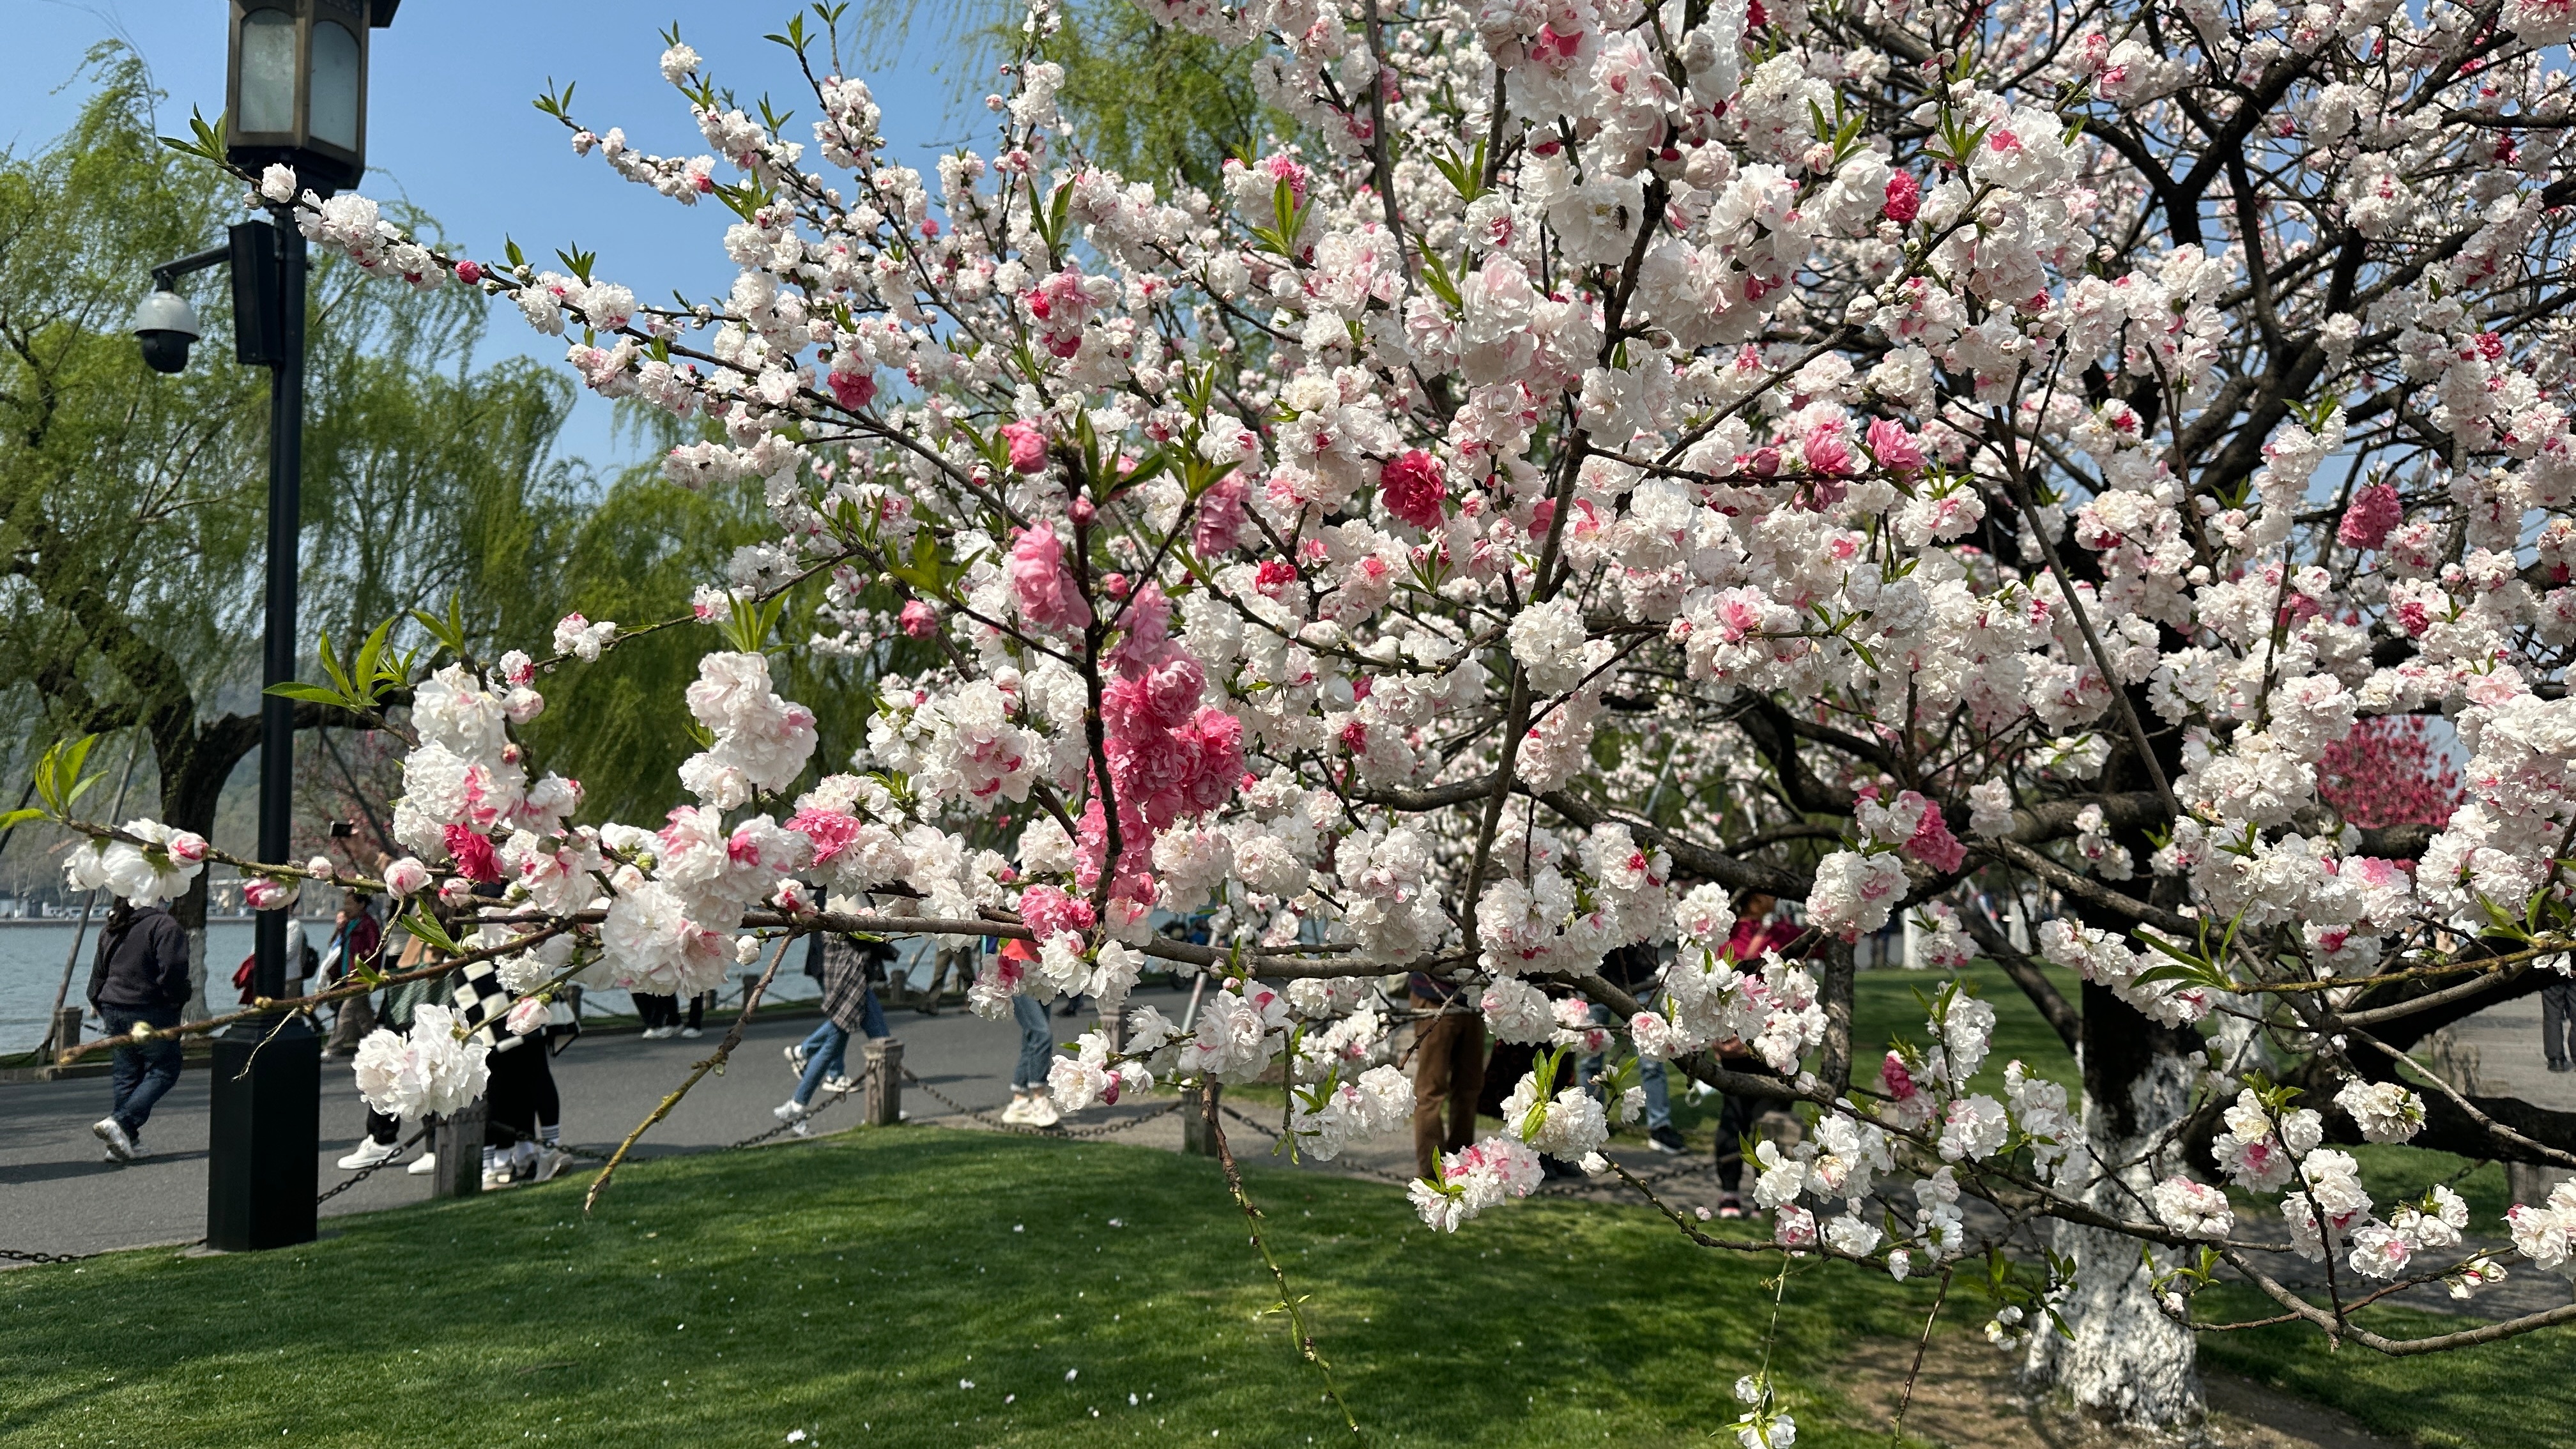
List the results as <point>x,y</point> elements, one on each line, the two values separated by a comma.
<point>262,1167</point>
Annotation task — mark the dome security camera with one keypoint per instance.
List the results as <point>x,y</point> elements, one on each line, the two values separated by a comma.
<point>165,324</point>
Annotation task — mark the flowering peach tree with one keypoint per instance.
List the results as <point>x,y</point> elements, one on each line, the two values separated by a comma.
<point>1615,459</point>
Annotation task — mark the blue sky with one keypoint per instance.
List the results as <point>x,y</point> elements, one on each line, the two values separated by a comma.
<point>450,127</point>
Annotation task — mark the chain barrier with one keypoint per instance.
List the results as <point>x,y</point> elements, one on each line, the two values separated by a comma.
<point>372,1168</point>
<point>1069,1133</point>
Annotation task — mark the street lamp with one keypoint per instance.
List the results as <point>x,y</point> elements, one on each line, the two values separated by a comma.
<point>296,92</point>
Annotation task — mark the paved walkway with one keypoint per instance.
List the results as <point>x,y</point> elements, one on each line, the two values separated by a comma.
<point>57,1194</point>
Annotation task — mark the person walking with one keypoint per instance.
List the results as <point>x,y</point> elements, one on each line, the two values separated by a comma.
<point>660,1014</point>
<point>2558,1024</point>
<point>355,940</point>
<point>139,978</point>
<point>522,1110</point>
<point>1448,1068</point>
<point>1031,1103</point>
<point>1635,970</point>
<point>383,1133</point>
<point>1756,933</point>
<point>820,1061</point>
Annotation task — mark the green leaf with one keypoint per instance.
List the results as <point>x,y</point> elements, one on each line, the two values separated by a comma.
<point>16,818</point>
<point>425,926</point>
<point>312,694</point>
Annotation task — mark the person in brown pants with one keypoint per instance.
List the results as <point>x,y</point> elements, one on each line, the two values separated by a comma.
<point>1448,1068</point>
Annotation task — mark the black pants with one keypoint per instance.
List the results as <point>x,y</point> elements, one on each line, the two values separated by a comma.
<point>521,1097</point>
<point>2557,1020</point>
<point>655,1010</point>
<point>1736,1115</point>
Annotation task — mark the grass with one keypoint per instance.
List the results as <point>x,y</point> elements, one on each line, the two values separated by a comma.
<point>855,1287</point>
<point>851,1287</point>
<point>2518,1392</point>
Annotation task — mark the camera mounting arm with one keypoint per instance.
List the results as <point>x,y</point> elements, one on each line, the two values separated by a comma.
<point>165,277</point>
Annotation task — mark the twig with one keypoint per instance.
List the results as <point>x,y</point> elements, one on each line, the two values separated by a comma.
<point>724,1049</point>
<point>1896,1431</point>
<point>1289,1303</point>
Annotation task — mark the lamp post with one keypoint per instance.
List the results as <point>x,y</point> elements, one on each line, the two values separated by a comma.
<point>295,94</point>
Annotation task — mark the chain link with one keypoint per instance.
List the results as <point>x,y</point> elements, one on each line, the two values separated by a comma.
<point>371,1168</point>
<point>1073,1133</point>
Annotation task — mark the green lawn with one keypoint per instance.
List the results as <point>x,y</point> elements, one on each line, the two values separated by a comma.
<point>847,1287</point>
<point>854,1287</point>
<point>2512,1393</point>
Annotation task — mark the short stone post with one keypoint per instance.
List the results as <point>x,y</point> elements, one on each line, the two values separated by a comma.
<point>1113,1027</point>
<point>457,1142</point>
<point>883,1106</point>
<point>1198,1139</point>
<point>67,1025</point>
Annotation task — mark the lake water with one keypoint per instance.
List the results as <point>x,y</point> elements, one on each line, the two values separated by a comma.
<point>31,967</point>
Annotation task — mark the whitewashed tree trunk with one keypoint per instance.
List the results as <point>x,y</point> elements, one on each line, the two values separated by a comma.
<point>2127,1363</point>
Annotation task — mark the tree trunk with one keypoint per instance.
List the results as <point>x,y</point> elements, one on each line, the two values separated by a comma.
<point>2126,1362</point>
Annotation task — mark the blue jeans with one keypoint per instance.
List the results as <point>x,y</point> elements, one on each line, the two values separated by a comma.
<point>142,1073</point>
<point>827,1047</point>
<point>1037,1044</point>
<point>1650,1075</point>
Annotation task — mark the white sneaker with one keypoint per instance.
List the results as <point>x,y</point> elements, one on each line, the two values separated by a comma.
<point>1017,1114</point>
<point>550,1160</point>
<point>1042,1112</point>
<point>423,1165</point>
<point>839,1086</point>
<point>369,1153</point>
<point>134,1149</point>
<point>691,1032</point>
<point>790,1110</point>
<point>120,1145</point>
<point>796,1061</point>
<point>497,1178</point>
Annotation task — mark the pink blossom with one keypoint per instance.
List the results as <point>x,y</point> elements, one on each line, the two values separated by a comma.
<point>1933,844</point>
<point>526,1015</point>
<point>406,877</point>
<point>1220,518</point>
<point>1904,198</point>
<point>472,850</point>
<point>1828,451</point>
<point>266,893</point>
<point>469,271</point>
<point>1045,588</point>
<point>1049,911</point>
<point>1896,450</point>
<point>2374,512</point>
<point>185,846</point>
<point>831,831</point>
<point>1028,446</point>
<point>918,619</point>
<point>1282,168</point>
<point>855,390</point>
<point>1413,488</point>
<point>1896,1079</point>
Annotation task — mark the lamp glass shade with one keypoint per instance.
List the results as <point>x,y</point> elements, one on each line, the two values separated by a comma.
<point>268,73</point>
<point>332,109</point>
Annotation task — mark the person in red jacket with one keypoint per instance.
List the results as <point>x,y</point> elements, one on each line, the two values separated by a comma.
<point>1758,929</point>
